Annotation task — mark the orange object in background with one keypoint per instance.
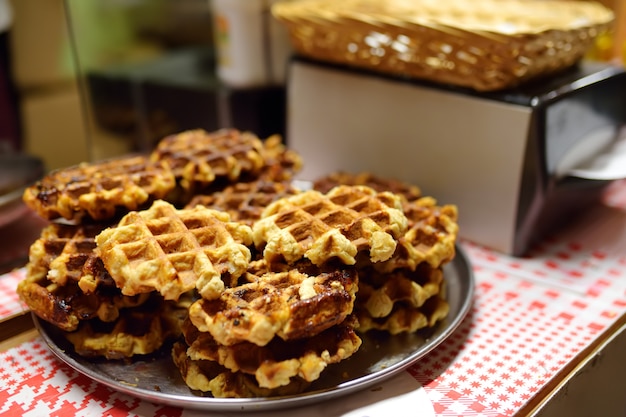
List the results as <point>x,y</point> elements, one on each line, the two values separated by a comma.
<point>613,48</point>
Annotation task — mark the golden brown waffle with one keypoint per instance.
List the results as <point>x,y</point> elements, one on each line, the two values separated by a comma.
<point>209,376</point>
<point>66,306</point>
<point>431,236</point>
<point>173,251</point>
<point>198,158</point>
<point>137,331</point>
<point>345,221</point>
<point>379,293</point>
<point>280,162</point>
<point>66,253</point>
<point>245,201</point>
<point>279,362</point>
<point>52,289</point>
<point>66,282</point>
<point>326,183</point>
<point>405,318</point>
<point>61,252</point>
<point>293,304</point>
<point>100,190</point>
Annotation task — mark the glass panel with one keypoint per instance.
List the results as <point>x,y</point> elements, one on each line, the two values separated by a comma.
<point>147,69</point>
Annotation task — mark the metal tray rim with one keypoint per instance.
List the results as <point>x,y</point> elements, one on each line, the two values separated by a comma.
<point>463,273</point>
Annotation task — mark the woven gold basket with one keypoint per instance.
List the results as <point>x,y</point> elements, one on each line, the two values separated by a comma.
<point>482,44</point>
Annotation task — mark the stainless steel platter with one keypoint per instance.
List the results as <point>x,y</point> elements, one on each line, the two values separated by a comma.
<point>156,379</point>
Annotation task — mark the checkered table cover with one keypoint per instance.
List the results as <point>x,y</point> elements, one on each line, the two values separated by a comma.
<point>530,319</point>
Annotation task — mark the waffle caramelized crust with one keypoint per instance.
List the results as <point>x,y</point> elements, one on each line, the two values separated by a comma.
<point>66,283</point>
<point>281,163</point>
<point>198,158</point>
<point>137,331</point>
<point>245,201</point>
<point>380,292</point>
<point>280,361</point>
<point>173,251</point>
<point>404,318</point>
<point>326,183</point>
<point>291,305</point>
<point>61,252</point>
<point>210,376</point>
<point>99,190</point>
<point>402,301</point>
<point>431,236</point>
<point>67,306</point>
<point>345,221</point>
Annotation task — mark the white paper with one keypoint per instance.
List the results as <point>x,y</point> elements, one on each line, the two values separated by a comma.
<point>609,164</point>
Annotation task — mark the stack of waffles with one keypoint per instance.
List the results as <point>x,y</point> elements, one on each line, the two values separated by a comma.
<point>67,282</point>
<point>407,291</point>
<point>206,248</point>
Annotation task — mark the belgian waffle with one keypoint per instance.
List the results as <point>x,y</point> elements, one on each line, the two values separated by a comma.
<point>209,376</point>
<point>431,236</point>
<point>137,331</point>
<point>245,201</point>
<point>198,158</point>
<point>345,221</point>
<point>291,305</point>
<point>277,363</point>
<point>280,163</point>
<point>405,318</point>
<point>65,281</point>
<point>66,306</point>
<point>100,190</point>
<point>409,191</point>
<point>61,252</point>
<point>379,293</point>
<point>173,251</point>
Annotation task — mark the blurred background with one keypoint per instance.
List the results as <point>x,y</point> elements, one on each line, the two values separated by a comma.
<point>92,79</point>
<point>100,78</point>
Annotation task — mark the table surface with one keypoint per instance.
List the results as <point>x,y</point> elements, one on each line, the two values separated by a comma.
<point>533,319</point>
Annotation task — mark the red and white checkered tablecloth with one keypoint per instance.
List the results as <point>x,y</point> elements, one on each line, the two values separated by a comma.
<point>530,319</point>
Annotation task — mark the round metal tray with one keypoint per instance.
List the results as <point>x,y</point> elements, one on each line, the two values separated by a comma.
<point>381,356</point>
